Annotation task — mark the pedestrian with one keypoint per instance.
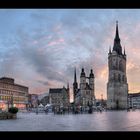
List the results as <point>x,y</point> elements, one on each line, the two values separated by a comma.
<point>37,111</point>
<point>46,110</point>
<point>55,110</point>
<point>81,110</point>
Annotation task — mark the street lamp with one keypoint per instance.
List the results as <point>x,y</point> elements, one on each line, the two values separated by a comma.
<point>8,104</point>
<point>12,100</point>
<point>128,100</point>
<point>37,101</point>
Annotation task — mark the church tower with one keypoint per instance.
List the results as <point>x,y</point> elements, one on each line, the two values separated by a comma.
<point>91,85</point>
<point>68,91</point>
<point>82,80</point>
<point>75,85</point>
<point>117,87</point>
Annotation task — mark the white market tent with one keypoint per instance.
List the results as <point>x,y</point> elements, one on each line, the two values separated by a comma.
<point>40,105</point>
<point>48,105</point>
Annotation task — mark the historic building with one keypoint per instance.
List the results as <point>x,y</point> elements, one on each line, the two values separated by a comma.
<point>33,101</point>
<point>59,97</point>
<point>84,95</point>
<point>134,100</point>
<point>12,94</point>
<point>117,87</point>
<point>45,100</point>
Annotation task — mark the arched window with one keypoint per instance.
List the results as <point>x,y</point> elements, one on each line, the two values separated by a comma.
<point>121,66</point>
<point>114,64</point>
<point>110,65</point>
<point>114,76</point>
<point>123,78</point>
<point>119,78</point>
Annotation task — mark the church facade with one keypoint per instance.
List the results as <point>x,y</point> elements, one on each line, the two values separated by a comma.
<point>117,86</point>
<point>84,96</point>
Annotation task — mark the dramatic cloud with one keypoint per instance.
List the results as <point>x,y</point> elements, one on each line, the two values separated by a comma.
<point>41,48</point>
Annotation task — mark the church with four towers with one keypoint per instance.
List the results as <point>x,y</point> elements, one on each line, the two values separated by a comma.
<point>84,95</point>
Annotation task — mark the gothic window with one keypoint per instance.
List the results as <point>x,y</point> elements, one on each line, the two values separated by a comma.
<point>123,78</point>
<point>119,78</point>
<point>121,66</point>
<point>114,76</point>
<point>110,64</point>
<point>114,67</point>
<point>114,64</point>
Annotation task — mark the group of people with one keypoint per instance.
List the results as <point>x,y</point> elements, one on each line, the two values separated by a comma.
<point>75,110</point>
<point>67,110</point>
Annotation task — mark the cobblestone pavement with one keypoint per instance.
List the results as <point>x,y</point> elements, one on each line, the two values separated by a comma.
<point>105,121</point>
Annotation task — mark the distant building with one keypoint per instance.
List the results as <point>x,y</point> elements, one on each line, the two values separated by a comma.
<point>101,102</point>
<point>117,86</point>
<point>12,94</point>
<point>134,100</point>
<point>41,96</point>
<point>45,100</point>
<point>33,100</point>
<point>59,96</point>
<point>84,95</point>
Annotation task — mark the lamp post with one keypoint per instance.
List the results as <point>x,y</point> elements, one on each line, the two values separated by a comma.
<point>37,105</point>
<point>84,104</point>
<point>128,100</point>
<point>8,104</point>
<point>12,100</point>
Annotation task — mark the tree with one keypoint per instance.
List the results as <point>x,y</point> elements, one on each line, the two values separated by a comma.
<point>13,110</point>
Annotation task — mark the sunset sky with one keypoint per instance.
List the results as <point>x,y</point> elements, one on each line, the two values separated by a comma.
<point>40,48</point>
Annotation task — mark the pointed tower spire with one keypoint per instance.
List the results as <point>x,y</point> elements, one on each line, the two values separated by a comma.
<point>68,85</point>
<point>83,73</point>
<point>75,78</point>
<point>117,46</point>
<point>124,51</point>
<point>110,50</point>
<point>75,85</point>
<point>117,32</point>
<point>91,75</point>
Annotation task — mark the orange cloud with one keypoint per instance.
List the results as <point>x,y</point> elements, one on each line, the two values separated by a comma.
<point>130,65</point>
<point>100,82</point>
<point>134,87</point>
<point>104,72</point>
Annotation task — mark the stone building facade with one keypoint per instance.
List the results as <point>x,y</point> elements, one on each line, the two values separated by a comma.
<point>12,94</point>
<point>84,95</point>
<point>33,101</point>
<point>117,87</point>
<point>134,100</point>
<point>59,97</point>
<point>45,100</point>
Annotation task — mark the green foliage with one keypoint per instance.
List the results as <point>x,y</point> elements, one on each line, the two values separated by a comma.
<point>13,110</point>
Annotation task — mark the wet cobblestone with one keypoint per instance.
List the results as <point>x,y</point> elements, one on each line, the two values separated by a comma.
<point>105,121</point>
